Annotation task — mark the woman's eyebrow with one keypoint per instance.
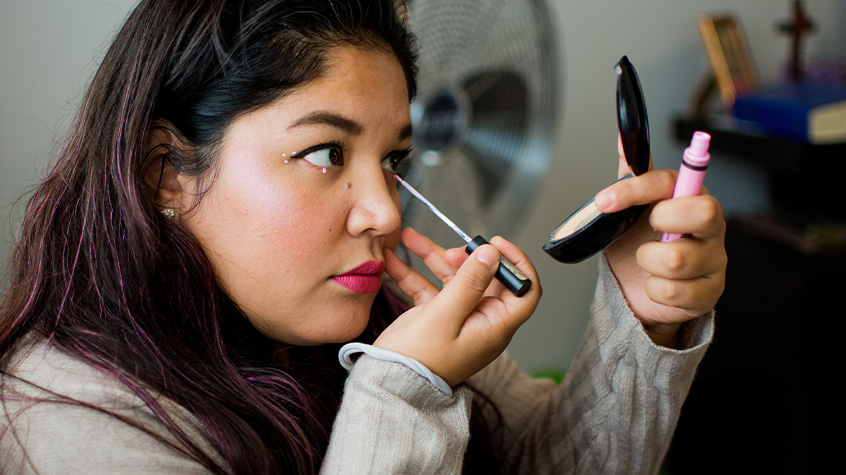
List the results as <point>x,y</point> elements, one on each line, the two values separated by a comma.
<point>339,122</point>
<point>405,132</point>
<point>330,119</point>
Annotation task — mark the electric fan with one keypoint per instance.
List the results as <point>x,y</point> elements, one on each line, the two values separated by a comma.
<point>484,114</point>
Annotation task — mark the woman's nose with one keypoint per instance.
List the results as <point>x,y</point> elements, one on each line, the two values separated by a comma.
<point>375,205</point>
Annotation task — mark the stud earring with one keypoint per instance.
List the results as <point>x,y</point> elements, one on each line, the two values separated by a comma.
<point>169,213</point>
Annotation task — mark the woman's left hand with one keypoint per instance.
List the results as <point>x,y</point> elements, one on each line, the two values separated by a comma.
<point>666,284</point>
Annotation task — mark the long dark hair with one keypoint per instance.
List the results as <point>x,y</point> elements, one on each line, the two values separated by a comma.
<point>107,279</point>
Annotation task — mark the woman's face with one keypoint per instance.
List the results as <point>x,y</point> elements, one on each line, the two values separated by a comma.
<point>304,200</point>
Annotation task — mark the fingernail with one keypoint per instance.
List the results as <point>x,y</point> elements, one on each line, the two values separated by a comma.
<point>605,199</point>
<point>486,255</point>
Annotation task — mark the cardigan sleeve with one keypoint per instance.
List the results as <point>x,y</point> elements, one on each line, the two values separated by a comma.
<point>617,408</point>
<point>394,420</point>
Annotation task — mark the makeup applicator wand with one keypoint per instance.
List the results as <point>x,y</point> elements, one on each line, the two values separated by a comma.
<point>509,275</point>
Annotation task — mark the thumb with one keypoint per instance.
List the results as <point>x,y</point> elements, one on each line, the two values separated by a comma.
<point>464,291</point>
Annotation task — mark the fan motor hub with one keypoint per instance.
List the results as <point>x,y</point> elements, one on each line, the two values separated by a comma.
<point>441,119</point>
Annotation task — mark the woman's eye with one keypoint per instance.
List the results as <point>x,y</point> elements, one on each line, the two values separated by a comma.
<point>324,157</point>
<point>393,161</point>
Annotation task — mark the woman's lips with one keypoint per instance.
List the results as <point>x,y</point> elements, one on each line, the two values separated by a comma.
<point>364,279</point>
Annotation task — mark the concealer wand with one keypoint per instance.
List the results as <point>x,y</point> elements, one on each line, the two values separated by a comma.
<point>509,275</point>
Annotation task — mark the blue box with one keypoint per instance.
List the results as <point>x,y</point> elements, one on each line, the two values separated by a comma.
<point>806,112</point>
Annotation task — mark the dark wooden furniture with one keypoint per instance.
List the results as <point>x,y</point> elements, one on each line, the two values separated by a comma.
<point>751,407</point>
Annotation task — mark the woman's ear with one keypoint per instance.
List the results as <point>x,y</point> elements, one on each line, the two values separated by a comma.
<point>162,182</point>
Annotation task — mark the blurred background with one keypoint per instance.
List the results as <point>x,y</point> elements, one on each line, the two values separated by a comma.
<point>50,48</point>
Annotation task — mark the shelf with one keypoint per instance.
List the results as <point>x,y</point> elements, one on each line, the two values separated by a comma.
<point>804,179</point>
<point>773,153</point>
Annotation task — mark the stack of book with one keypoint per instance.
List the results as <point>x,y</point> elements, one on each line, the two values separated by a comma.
<point>807,112</point>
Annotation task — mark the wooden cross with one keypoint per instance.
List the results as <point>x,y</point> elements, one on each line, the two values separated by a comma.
<point>801,26</point>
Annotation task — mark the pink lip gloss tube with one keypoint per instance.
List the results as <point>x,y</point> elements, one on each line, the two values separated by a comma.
<point>692,172</point>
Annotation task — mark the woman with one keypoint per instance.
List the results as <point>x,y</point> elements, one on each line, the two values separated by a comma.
<point>217,226</point>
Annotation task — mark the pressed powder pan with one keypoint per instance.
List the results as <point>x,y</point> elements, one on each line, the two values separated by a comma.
<point>588,231</point>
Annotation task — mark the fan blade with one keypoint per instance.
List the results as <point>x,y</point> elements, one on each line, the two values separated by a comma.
<point>497,129</point>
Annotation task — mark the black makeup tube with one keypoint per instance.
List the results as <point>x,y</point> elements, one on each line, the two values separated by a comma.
<point>509,275</point>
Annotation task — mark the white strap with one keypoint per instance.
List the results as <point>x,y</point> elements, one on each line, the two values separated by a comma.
<point>346,352</point>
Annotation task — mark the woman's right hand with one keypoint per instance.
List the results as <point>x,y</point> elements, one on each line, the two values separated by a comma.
<point>457,331</point>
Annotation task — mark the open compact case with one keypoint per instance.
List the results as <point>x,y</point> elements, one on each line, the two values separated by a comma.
<point>588,231</point>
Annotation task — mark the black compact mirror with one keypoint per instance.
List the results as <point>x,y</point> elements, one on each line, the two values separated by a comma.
<point>588,231</point>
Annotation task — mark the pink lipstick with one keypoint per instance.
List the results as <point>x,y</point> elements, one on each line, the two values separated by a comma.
<point>692,172</point>
<point>364,279</point>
